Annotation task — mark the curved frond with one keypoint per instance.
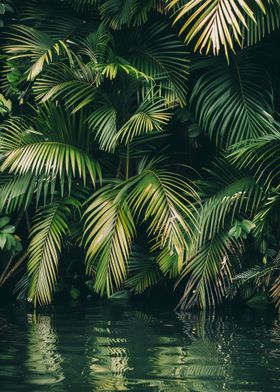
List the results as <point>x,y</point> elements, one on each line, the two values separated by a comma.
<point>161,56</point>
<point>261,155</point>
<point>228,194</point>
<point>264,24</point>
<point>75,87</point>
<point>269,214</point>
<point>49,227</point>
<point>16,191</point>
<point>214,24</point>
<point>144,272</point>
<point>170,263</point>
<point>151,115</point>
<point>83,5</point>
<point>103,122</point>
<point>245,87</point>
<point>208,272</point>
<point>166,202</point>
<point>109,232</point>
<point>29,43</point>
<point>52,147</point>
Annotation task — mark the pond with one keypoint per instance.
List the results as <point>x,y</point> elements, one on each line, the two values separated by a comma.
<point>114,346</point>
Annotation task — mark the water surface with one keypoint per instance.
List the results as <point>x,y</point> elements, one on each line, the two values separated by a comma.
<point>117,347</point>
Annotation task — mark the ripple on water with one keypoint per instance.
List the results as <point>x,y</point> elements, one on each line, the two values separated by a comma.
<point>111,347</point>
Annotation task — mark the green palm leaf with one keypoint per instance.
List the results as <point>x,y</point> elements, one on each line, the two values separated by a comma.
<point>151,115</point>
<point>227,193</point>
<point>109,232</point>
<point>103,122</point>
<point>166,202</point>
<point>214,24</point>
<point>261,155</point>
<point>49,227</point>
<point>208,272</point>
<point>263,25</point>
<point>27,42</point>
<point>76,87</point>
<point>161,56</point>
<point>170,263</point>
<point>143,271</point>
<point>83,5</point>
<point>53,147</point>
<point>245,86</point>
<point>16,191</point>
<point>268,215</point>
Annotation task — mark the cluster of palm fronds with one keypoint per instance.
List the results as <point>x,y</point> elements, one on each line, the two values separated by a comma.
<point>100,102</point>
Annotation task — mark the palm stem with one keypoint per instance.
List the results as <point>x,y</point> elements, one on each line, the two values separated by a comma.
<point>127,162</point>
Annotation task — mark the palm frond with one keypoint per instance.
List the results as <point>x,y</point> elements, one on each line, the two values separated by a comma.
<point>16,191</point>
<point>103,122</point>
<point>227,194</point>
<point>28,43</point>
<point>208,272</point>
<point>151,115</point>
<point>83,5</point>
<point>55,20</point>
<point>245,86</point>
<point>170,263</point>
<point>75,87</point>
<point>109,232</point>
<point>161,56</point>
<point>264,23</point>
<point>268,215</point>
<point>49,146</point>
<point>49,227</point>
<point>143,271</point>
<point>214,24</point>
<point>167,202</point>
<point>261,155</point>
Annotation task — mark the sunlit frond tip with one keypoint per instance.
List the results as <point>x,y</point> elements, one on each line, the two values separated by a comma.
<point>214,24</point>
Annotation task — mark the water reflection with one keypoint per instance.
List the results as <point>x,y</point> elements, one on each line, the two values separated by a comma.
<point>113,347</point>
<point>43,363</point>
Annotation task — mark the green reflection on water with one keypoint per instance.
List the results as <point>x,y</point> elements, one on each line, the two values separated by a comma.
<point>117,348</point>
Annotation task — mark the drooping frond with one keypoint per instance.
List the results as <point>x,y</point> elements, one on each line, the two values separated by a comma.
<point>208,272</point>
<point>260,276</point>
<point>109,232</point>
<point>16,191</point>
<point>143,271</point>
<point>160,55</point>
<point>228,193</point>
<point>49,227</point>
<point>245,87</point>
<point>261,155</point>
<point>269,213</point>
<point>103,122</point>
<point>83,5</point>
<point>214,24</point>
<point>75,86</point>
<point>151,115</point>
<point>117,13</point>
<point>264,23</point>
<point>28,43</point>
<point>50,145</point>
<point>170,263</point>
<point>166,201</point>
<point>64,25</point>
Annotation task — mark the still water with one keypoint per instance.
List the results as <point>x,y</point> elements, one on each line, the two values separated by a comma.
<point>117,347</point>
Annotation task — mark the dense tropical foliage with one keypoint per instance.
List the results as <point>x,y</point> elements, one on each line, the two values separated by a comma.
<point>140,144</point>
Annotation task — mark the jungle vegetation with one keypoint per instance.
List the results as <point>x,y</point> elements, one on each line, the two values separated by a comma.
<point>140,144</point>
